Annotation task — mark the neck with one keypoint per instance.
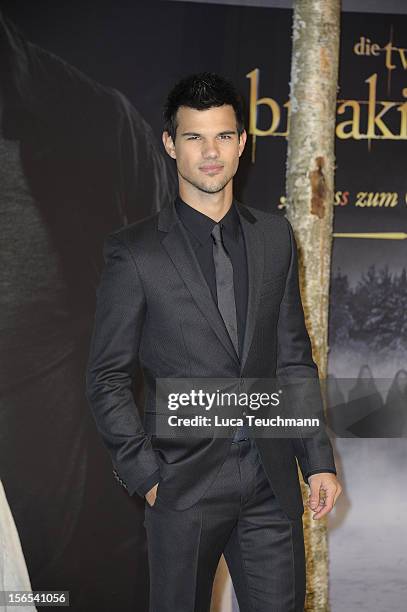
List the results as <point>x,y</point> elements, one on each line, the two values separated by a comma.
<point>213,205</point>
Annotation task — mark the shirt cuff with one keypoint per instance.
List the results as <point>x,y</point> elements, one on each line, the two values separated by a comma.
<point>320,471</point>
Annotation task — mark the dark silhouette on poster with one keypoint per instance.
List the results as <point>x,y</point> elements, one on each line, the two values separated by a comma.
<point>76,161</point>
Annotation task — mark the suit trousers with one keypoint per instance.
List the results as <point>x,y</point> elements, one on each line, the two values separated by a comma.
<point>240,517</point>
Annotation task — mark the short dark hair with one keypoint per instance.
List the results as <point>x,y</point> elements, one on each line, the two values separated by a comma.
<point>202,91</point>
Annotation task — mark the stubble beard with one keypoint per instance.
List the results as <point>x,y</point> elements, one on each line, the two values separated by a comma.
<point>207,188</point>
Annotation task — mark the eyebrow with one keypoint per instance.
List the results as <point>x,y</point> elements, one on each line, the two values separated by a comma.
<point>220,133</point>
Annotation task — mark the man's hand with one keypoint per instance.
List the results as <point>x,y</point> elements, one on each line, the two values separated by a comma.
<point>325,490</point>
<point>151,495</point>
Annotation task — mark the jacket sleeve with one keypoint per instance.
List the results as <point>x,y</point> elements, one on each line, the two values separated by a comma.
<point>299,373</point>
<point>112,362</point>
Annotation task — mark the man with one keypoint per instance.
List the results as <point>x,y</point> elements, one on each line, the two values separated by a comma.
<point>208,288</point>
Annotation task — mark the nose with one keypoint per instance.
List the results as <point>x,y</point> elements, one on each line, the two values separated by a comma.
<point>210,149</point>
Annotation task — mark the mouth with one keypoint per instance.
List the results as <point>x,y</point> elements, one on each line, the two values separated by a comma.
<point>211,169</point>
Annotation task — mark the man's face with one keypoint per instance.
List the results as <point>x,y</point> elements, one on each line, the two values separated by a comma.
<point>207,147</point>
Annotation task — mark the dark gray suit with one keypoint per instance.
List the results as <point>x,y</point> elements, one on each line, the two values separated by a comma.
<point>154,308</point>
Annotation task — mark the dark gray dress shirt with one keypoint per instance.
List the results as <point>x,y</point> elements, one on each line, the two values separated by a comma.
<point>199,228</point>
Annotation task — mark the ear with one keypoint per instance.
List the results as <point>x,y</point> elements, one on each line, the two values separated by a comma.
<point>169,145</point>
<point>242,142</point>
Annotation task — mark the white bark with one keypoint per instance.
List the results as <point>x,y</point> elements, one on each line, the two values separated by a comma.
<point>310,195</point>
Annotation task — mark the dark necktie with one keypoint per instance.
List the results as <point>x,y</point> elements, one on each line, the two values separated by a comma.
<point>226,299</point>
<point>224,285</point>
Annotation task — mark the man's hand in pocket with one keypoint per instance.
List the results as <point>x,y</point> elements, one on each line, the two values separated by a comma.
<point>151,495</point>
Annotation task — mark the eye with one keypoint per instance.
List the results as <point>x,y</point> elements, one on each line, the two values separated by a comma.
<point>193,137</point>
<point>225,136</point>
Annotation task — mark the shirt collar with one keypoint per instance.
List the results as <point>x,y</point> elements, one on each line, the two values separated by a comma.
<point>201,226</point>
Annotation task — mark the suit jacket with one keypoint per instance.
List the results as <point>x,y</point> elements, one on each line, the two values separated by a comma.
<point>155,310</point>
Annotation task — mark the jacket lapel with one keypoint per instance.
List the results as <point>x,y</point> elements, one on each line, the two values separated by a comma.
<point>254,240</point>
<point>177,245</point>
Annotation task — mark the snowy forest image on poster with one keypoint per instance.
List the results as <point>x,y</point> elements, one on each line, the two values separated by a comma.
<point>368,298</point>
<point>367,382</point>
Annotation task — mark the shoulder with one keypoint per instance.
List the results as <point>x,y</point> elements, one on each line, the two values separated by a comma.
<point>130,244</point>
<point>140,232</point>
<point>269,221</point>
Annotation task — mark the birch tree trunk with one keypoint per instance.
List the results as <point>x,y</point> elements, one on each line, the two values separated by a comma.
<point>310,195</point>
